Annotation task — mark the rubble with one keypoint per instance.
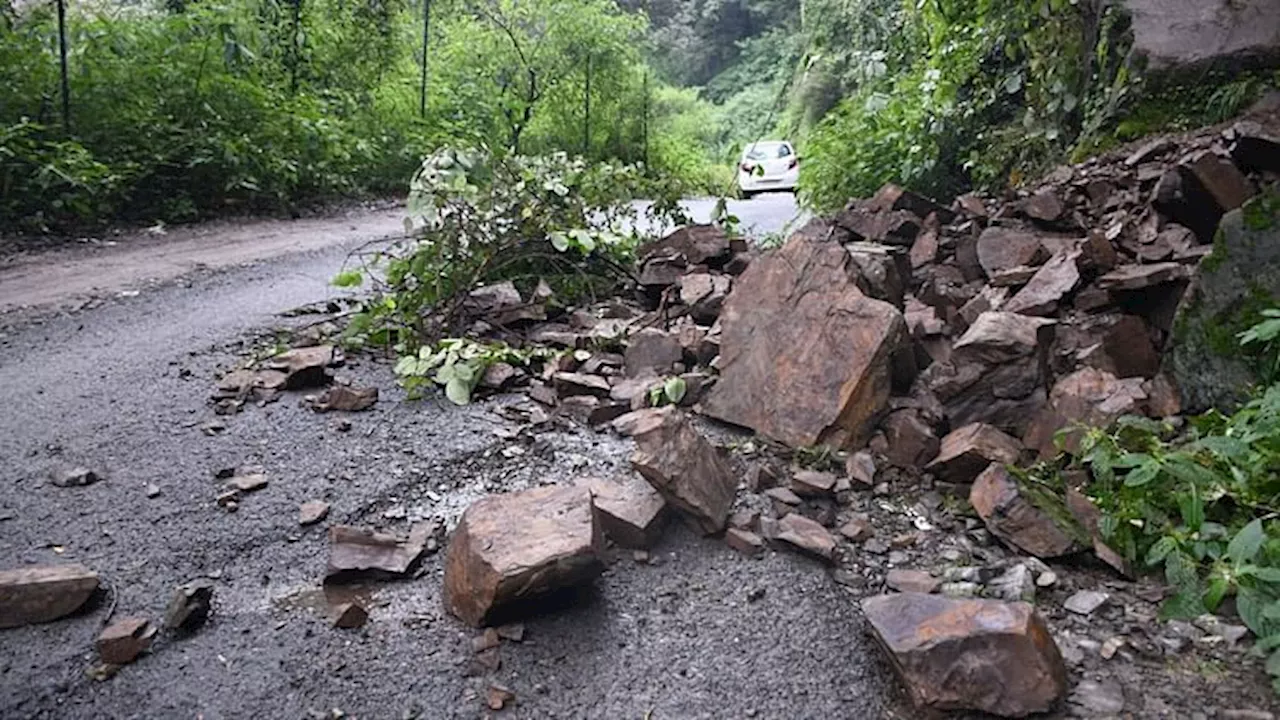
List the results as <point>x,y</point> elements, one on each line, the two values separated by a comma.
<point>744,541</point>
<point>77,476</point>
<point>917,581</point>
<point>685,468</point>
<point>350,616</point>
<point>342,398</point>
<point>356,553</point>
<point>630,512</point>
<point>983,655</point>
<point>1008,513</point>
<point>509,549</point>
<point>190,605</point>
<point>121,642</point>
<point>807,536</point>
<point>967,451</point>
<point>312,512</point>
<point>44,593</point>
<point>305,367</point>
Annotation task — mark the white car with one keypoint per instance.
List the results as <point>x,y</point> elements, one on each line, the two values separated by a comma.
<point>768,166</point>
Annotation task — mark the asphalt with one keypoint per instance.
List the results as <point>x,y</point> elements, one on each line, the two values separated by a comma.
<point>122,388</point>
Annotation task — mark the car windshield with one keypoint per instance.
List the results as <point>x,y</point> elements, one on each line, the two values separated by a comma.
<point>766,151</point>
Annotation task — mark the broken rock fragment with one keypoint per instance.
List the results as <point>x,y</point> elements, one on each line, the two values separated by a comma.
<point>345,399</point>
<point>357,552</point>
<point>984,655</point>
<point>350,615</point>
<point>1034,522</point>
<point>744,541</point>
<point>312,512</point>
<point>304,367</point>
<point>73,476</point>
<point>190,605</point>
<point>968,451</point>
<point>41,594</point>
<point>1003,248</point>
<point>805,356</point>
<point>687,469</point>
<point>509,549</point>
<point>630,512</point>
<point>124,640</point>
<point>807,536</point>
<point>652,352</point>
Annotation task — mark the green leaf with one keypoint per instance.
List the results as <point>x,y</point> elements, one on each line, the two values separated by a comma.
<point>1182,606</point>
<point>1270,642</point>
<point>1273,662</point>
<point>675,389</point>
<point>1161,549</point>
<point>458,392</point>
<point>1265,574</point>
<point>1216,591</point>
<point>1192,508</point>
<point>1143,474</point>
<point>348,278</point>
<point>559,241</point>
<point>1246,544</point>
<point>1250,605</point>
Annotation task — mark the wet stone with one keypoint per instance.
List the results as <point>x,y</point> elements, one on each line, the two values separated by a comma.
<point>44,593</point>
<point>121,642</point>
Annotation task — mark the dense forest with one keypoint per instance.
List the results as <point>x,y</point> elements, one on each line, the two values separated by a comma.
<point>189,108</point>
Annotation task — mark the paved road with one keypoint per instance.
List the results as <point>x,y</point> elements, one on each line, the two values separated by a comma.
<point>122,388</point>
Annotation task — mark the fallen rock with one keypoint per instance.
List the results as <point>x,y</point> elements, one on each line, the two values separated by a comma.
<point>498,697</point>
<point>1141,277</point>
<point>570,384</point>
<point>350,616</point>
<point>44,593</point>
<point>917,581</point>
<point>981,655</point>
<point>652,352</point>
<point>190,605</point>
<point>694,244</point>
<point>73,477</point>
<point>912,442</point>
<point>807,536</point>
<point>1015,585</point>
<point>744,541</point>
<point>304,367</point>
<point>1235,283</point>
<point>251,482</point>
<point>1003,248</point>
<point>345,399</point>
<point>1086,397</point>
<point>501,304</point>
<point>356,553</point>
<point>812,483</point>
<point>704,294</point>
<point>121,642</point>
<point>312,512</point>
<point>512,548</point>
<point>1020,520</point>
<point>685,468</point>
<point>1049,287</point>
<point>861,468</point>
<point>805,357</point>
<point>966,452</point>
<point>1045,206</point>
<point>858,529</point>
<point>1086,602</point>
<point>630,512</point>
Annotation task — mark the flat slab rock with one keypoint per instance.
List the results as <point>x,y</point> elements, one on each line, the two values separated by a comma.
<point>684,467</point>
<point>804,354</point>
<point>509,549</point>
<point>967,451</point>
<point>43,594</point>
<point>355,551</point>
<point>984,655</point>
<point>1014,518</point>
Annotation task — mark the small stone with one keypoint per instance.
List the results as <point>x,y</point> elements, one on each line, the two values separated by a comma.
<point>1016,584</point>
<point>858,529</point>
<point>248,483</point>
<point>876,546</point>
<point>513,632</point>
<point>73,477</point>
<point>358,553</point>
<point>342,398</point>
<point>124,640</point>
<point>1086,602</point>
<point>809,483</point>
<point>190,605</point>
<point>1046,579</point>
<point>912,581</point>
<point>498,697</point>
<point>861,468</point>
<point>1111,647</point>
<point>744,541</point>
<point>153,490</point>
<point>350,615</point>
<point>806,535</point>
<point>960,589</point>
<point>1009,515</point>
<point>312,512</point>
<point>486,640</point>
<point>685,468</point>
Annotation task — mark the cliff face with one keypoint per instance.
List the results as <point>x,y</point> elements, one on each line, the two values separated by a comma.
<point>1186,33</point>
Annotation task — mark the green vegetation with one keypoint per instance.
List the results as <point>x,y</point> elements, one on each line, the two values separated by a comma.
<point>1201,505</point>
<point>198,108</point>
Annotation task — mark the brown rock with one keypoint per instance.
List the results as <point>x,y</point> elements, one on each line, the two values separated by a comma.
<point>251,482</point>
<point>1140,277</point>
<point>312,512</point>
<point>1088,397</point>
<point>988,299</point>
<point>190,605</point>
<point>508,549</point>
<point>968,451</point>
<point>894,227</point>
<point>917,581</point>
<point>996,337</point>
<point>980,655</point>
<point>882,272</point>
<point>304,367</point>
<point>497,375</point>
<point>861,468</point>
<point>570,384</point>
<point>498,697</point>
<point>805,356</point>
<point>44,593</point>
<point>1163,399</point>
<point>811,483</point>
<point>501,304</point>
<point>358,552</point>
<point>1223,181</point>
<point>124,640</point>
<point>630,512</point>
<point>912,442</point>
<point>1014,518</point>
<point>350,616</point>
<point>924,251</point>
<point>807,536</point>
<point>652,352</point>
<point>1119,344</point>
<point>704,294</point>
<point>1045,206</point>
<point>858,528</point>
<point>345,399</point>
<point>1048,288</point>
<point>661,272</point>
<point>1002,248</point>
<point>744,541</point>
<point>694,244</point>
<point>972,204</point>
<point>1013,277</point>
<point>686,469</point>
<point>893,197</point>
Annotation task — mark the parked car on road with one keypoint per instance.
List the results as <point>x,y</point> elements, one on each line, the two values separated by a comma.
<point>768,166</point>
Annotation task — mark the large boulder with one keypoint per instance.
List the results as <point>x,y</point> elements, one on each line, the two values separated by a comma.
<point>805,356</point>
<point>685,468</point>
<point>510,549</point>
<point>1173,34</point>
<point>984,655</point>
<point>1239,280</point>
